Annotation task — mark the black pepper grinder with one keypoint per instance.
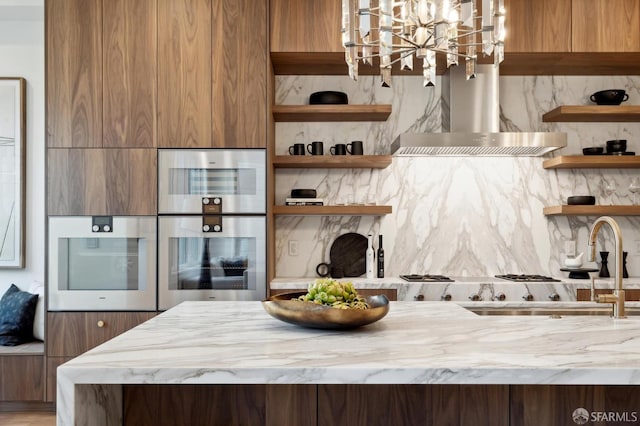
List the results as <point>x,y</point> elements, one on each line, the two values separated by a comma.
<point>604,269</point>
<point>625,273</point>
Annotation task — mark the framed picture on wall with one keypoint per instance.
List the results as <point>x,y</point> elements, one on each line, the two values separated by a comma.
<point>12,171</point>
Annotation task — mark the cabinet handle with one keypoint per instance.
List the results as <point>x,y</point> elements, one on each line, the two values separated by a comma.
<point>100,324</point>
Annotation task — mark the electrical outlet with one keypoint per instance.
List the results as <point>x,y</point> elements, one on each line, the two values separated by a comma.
<point>293,247</point>
<point>636,247</point>
<point>570,248</point>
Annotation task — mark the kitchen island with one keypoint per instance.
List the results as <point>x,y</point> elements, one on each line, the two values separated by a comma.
<point>428,349</point>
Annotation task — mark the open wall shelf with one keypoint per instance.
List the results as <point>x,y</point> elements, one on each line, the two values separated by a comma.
<point>593,162</point>
<point>593,113</point>
<point>332,161</point>
<point>351,210</point>
<point>567,210</point>
<point>300,113</point>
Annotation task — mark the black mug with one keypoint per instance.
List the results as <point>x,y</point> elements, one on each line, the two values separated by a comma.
<point>355,148</point>
<point>296,149</point>
<point>315,148</point>
<point>338,149</point>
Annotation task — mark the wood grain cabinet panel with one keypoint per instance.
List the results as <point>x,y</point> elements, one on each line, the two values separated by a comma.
<point>74,73</point>
<point>53,362</point>
<point>101,181</point>
<point>554,405</point>
<point>538,26</point>
<point>22,378</point>
<point>184,73</point>
<point>72,333</point>
<point>129,84</point>
<point>606,25</point>
<point>240,73</point>
<point>306,26</point>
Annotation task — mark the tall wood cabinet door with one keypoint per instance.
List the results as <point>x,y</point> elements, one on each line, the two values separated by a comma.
<point>239,73</point>
<point>74,73</point>
<point>306,26</point>
<point>129,84</point>
<point>101,181</point>
<point>606,25</point>
<point>184,73</point>
<point>539,26</point>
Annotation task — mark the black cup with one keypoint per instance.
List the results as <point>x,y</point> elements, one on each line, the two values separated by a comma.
<point>315,148</point>
<point>355,148</point>
<point>338,149</point>
<point>296,149</point>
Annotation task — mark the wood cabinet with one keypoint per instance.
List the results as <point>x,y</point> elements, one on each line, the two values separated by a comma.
<point>605,25</point>
<point>306,26</point>
<point>212,74</point>
<point>22,377</point>
<point>101,181</point>
<point>101,62</point>
<point>184,73</point>
<point>74,73</point>
<point>240,52</point>
<point>129,34</point>
<point>541,26</point>
<point>71,333</point>
<point>317,404</point>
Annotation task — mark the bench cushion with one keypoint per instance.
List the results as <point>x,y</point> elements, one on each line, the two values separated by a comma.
<point>17,311</point>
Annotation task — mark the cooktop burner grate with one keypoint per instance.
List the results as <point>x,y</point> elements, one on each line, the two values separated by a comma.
<point>526,278</point>
<point>425,278</point>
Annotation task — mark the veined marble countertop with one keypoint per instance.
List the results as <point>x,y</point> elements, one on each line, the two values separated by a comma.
<point>463,287</point>
<point>416,343</point>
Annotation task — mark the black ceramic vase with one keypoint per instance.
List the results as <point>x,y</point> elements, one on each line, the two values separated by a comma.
<point>604,269</point>
<point>625,273</point>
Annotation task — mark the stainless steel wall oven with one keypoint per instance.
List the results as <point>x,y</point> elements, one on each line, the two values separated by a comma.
<point>102,263</point>
<point>211,225</point>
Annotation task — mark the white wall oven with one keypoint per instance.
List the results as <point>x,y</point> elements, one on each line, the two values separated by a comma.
<point>102,263</point>
<point>211,225</point>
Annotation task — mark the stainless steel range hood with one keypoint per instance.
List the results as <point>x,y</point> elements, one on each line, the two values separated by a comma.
<point>471,123</point>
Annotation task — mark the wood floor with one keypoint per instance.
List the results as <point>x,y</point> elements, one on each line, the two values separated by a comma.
<point>28,419</point>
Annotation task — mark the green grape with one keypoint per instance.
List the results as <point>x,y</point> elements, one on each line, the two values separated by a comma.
<point>340,295</point>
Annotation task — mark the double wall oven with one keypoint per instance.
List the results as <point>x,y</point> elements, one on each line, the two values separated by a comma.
<point>211,225</point>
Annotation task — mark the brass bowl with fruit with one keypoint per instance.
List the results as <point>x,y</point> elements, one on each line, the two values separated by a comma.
<point>328,314</point>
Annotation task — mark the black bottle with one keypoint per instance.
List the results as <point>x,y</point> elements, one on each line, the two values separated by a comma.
<point>380,258</point>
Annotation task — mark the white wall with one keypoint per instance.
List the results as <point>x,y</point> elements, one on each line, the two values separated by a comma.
<point>22,55</point>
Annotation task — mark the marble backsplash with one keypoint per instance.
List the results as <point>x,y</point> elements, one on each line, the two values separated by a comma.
<point>460,216</point>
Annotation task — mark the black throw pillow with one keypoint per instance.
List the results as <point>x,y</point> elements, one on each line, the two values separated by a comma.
<point>17,311</point>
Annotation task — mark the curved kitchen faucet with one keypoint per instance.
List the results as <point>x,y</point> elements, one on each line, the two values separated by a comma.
<point>617,297</point>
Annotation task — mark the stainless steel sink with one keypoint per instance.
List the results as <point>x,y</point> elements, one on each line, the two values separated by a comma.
<point>555,312</point>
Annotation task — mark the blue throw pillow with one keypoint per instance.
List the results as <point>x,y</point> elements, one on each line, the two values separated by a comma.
<point>17,311</point>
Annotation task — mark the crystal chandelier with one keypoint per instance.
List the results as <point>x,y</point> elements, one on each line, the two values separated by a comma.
<point>420,29</point>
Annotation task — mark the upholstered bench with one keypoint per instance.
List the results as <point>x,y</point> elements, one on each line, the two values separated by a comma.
<point>22,366</point>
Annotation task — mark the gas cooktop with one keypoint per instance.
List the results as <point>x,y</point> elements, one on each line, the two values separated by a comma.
<point>526,278</point>
<point>425,278</point>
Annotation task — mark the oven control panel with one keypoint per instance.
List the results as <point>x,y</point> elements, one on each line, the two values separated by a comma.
<point>102,223</point>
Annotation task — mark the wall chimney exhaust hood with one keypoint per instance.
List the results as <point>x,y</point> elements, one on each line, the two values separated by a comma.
<point>471,123</point>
